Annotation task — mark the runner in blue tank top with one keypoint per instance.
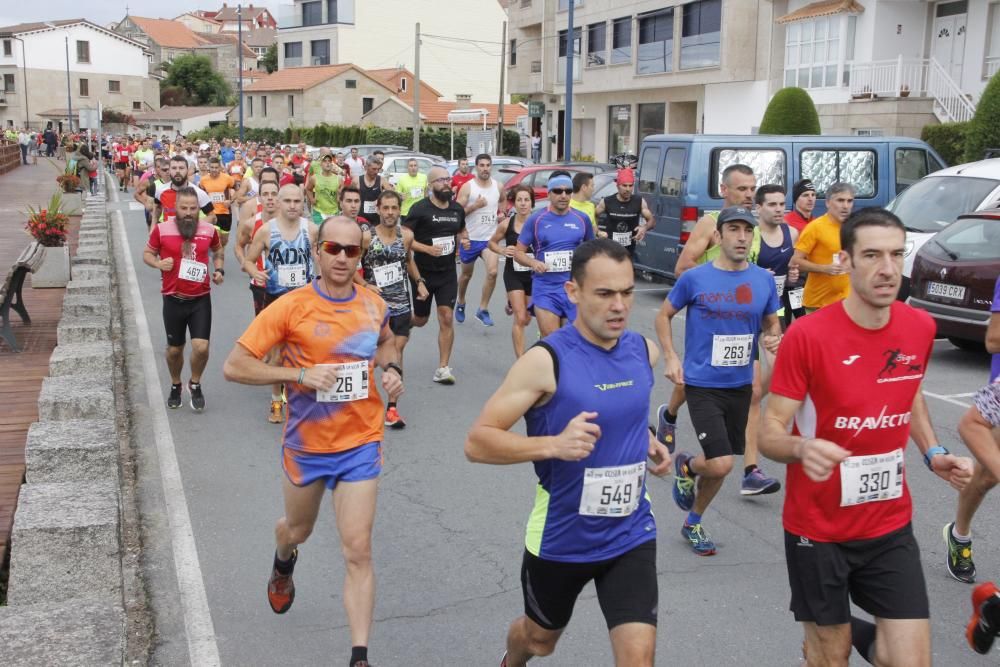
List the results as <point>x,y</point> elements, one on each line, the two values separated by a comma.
<point>584,393</point>
<point>552,235</point>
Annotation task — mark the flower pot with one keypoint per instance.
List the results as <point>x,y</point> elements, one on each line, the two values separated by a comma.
<point>905,92</point>
<point>54,269</point>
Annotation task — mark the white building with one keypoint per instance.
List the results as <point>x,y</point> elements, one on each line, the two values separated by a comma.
<point>381,34</point>
<point>171,120</point>
<point>650,66</point>
<point>102,65</point>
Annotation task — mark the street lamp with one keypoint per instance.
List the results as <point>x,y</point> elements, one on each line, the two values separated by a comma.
<point>69,93</point>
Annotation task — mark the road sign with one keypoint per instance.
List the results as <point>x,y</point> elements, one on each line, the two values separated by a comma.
<point>89,118</point>
<point>536,109</point>
<point>479,141</point>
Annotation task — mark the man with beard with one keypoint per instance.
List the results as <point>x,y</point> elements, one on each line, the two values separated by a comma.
<point>437,222</point>
<point>165,194</point>
<point>480,197</point>
<point>623,212</point>
<point>179,247</point>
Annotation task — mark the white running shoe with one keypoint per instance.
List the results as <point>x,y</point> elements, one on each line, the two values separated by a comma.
<point>443,375</point>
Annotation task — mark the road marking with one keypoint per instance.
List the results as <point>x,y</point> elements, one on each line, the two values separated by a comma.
<point>948,399</point>
<point>202,648</point>
<point>966,395</point>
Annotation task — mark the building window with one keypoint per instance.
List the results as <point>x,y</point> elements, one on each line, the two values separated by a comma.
<point>8,49</point>
<point>621,40</point>
<point>992,64</point>
<point>84,88</point>
<point>250,105</point>
<point>136,106</point>
<point>114,86</point>
<point>812,52</point>
<point>331,11</point>
<point>651,119</point>
<point>320,50</point>
<point>367,104</point>
<point>563,54</point>
<point>82,51</point>
<point>293,54</point>
<point>597,44</point>
<point>513,53</point>
<point>619,129</point>
<point>291,106</point>
<point>263,105</point>
<point>353,83</point>
<point>656,42</point>
<point>402,83</point>
<point>312,13</point>
<point>700,26</point>
<point>8,83</point>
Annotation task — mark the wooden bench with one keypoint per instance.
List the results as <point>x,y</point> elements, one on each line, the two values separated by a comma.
<point>10,293</point>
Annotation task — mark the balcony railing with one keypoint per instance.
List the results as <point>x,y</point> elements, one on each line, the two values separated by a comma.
<point>919,77</point>
<point>992,66</point>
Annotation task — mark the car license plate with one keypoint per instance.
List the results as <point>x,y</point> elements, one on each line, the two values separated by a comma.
<point>946,291</point>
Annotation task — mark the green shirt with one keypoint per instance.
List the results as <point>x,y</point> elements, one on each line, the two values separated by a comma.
<point>716,250</point>
<point>326,189</point>
<point>588,208</point>
<point>412,188</point>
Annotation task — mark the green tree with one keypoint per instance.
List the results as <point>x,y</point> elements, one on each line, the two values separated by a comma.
<point>270,59</point>
<point>791,111</point>
<point>194,74</point>
<point>984,128</point>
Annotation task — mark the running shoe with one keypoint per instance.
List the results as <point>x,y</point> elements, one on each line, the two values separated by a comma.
<point>443,375</point>
<point>665,431</point>
<point>683,482</point>
<point>758,484</point>
<point>985,622</point>
<point>503,659</point>
<point>701,543</point>
<point>197,398</point>
<point>484,317</point>
<point>275,416</point>
<point>281,588</point>
<point>509,309</point>
<point>174,400</point>
<point>459,312</point>
<point>959,559</point>
<point>393,419</point>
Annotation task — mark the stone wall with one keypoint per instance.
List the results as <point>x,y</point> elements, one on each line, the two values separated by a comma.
<point>894,117</point>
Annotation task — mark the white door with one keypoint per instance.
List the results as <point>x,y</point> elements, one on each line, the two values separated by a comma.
<point>949,38</point>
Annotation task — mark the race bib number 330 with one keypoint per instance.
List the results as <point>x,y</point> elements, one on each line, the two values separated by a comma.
<point>612,492</point>
<point>867,479</point>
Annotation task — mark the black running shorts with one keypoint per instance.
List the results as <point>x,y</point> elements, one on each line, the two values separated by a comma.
<point>516,280</point>
<point>224,221</point>
<point>626,588</point>
<point>183,315</point>
<point>400,325</point>
<point>719,418</point>
<point>443,288</point>
<point>883,576</point>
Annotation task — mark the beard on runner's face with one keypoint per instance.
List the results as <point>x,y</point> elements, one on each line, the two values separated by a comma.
<point>444,194</point>
<point>187,225</point>
<point>178,179</point>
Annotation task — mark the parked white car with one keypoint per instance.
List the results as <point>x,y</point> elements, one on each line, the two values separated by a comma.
<point>936,201</point>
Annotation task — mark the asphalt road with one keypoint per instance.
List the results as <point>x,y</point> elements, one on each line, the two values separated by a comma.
<point>449,534</point>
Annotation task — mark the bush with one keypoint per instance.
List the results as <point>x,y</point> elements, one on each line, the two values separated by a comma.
<point>984,128</point>
<point>948,139</point>
<point>791,111</point>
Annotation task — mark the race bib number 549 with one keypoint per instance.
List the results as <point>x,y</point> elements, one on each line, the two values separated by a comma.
<point>612,492</point>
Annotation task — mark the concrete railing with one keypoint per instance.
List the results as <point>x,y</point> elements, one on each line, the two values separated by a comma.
<point>65,596</point>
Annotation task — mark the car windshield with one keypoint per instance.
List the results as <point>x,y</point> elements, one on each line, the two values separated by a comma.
<point>934,202</point>
<point>971,239</point>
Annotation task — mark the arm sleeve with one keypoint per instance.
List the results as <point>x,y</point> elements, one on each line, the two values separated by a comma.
<point>153,242</point>
<point>807,240</point>
<point>773,302</point>
<point>679,296</point>
<point>792,367</point>
<point>268,329</point>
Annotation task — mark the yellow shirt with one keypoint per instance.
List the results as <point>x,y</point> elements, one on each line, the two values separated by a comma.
<point>820,241</point>
<point>587,207</point>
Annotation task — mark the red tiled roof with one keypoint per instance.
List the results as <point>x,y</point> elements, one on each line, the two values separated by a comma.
<point>228,13</point>
<point>823,8</point>
<point>297,78</point>
<point>390,77</point>
<point>167,32</point>
<point>436,113</point>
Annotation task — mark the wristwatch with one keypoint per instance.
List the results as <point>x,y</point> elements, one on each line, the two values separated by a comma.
<point>932,452</point>
<point>222,271</point>
<point>394,366</point>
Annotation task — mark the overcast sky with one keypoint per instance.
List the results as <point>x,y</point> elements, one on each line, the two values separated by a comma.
<point>103,12</point>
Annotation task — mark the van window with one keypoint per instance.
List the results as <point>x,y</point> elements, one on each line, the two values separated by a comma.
<point>647,170</point>
<point>768,165</point>
<point>673,172</point>
<point>911,166</point>
<point>826,167</point>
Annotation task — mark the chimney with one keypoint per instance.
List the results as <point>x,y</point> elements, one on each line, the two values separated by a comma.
<point>463,101</point>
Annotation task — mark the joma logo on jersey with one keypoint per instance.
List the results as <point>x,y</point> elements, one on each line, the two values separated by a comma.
<point>859,424</point>
<point>614,385</point>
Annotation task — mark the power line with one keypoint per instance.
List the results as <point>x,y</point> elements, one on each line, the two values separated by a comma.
<point>462,39</point>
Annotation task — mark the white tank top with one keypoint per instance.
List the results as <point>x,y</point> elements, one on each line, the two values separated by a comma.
<point>482,222</point>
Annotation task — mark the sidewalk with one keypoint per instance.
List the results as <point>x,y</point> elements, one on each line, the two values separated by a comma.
<point>21,374</point>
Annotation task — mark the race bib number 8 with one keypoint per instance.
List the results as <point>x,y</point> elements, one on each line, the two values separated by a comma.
<point>521,267</point>
<point>613,491</point>
<point>559,261</point>
<point>388,274</point>
<point>446,243</point>
<point>867,479</point>
<point>729,351</point>
<point>291,275</point>
<point>193,271</point>
<point>351,383</point>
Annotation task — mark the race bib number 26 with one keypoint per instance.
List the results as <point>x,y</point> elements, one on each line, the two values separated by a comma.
<point>351,383</point>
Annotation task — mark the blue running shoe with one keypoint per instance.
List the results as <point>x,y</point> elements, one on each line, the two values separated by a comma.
<point>459,312</point>
<point>683,482</point>
<point>701,543</point>
<point>484,317</point>
<point>757,484</point>
<point>665,431</point>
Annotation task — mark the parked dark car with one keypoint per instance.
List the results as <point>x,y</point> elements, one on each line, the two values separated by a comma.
<point>954,274</point>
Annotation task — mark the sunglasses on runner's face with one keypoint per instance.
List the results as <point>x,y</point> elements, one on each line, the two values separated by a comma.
<point>333,248</point>
<point>561,191</point>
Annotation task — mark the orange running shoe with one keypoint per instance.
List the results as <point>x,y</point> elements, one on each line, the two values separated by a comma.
<point>276,416</point>
<point>281,588</point>
<point>985,622</point>
<point>393,419</point>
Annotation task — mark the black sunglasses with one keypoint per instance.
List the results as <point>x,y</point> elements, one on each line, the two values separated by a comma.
<point>561,191</point>
<point>334,248</point>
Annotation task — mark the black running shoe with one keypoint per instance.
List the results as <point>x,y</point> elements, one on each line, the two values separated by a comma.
<point>197,398</point>
<point>174,401</point>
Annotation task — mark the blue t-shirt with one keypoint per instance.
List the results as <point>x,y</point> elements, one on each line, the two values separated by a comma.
<point>546,231</point>
<point>575,520</point>
<point>995,308</point>
<point>724,314</point>
<point>227,155</point>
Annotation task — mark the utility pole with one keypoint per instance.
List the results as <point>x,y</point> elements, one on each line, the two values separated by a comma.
<point>69,90</point>
<point>239,49</point>
<point>568,116</point>
<point>416,91</point>
<point>503,67</point>
<point>24,76</point>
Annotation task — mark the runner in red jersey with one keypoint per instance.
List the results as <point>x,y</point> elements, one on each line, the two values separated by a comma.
<point>848,379</point>
<point>461,176</point>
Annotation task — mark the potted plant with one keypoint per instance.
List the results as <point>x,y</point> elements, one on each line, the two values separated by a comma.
<point>69,181</point>
<point>904,90</point>
<point>49,227</point>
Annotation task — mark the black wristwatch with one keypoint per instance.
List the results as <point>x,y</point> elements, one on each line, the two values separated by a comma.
<point>394,366</point>
<point>421,280</point>
<point>222,271</point>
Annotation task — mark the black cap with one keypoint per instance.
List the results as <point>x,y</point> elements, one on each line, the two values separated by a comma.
<point>805,185</point>
<point>736,214</point>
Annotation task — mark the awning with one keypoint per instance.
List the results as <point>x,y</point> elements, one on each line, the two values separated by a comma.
<point>822,8</point>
